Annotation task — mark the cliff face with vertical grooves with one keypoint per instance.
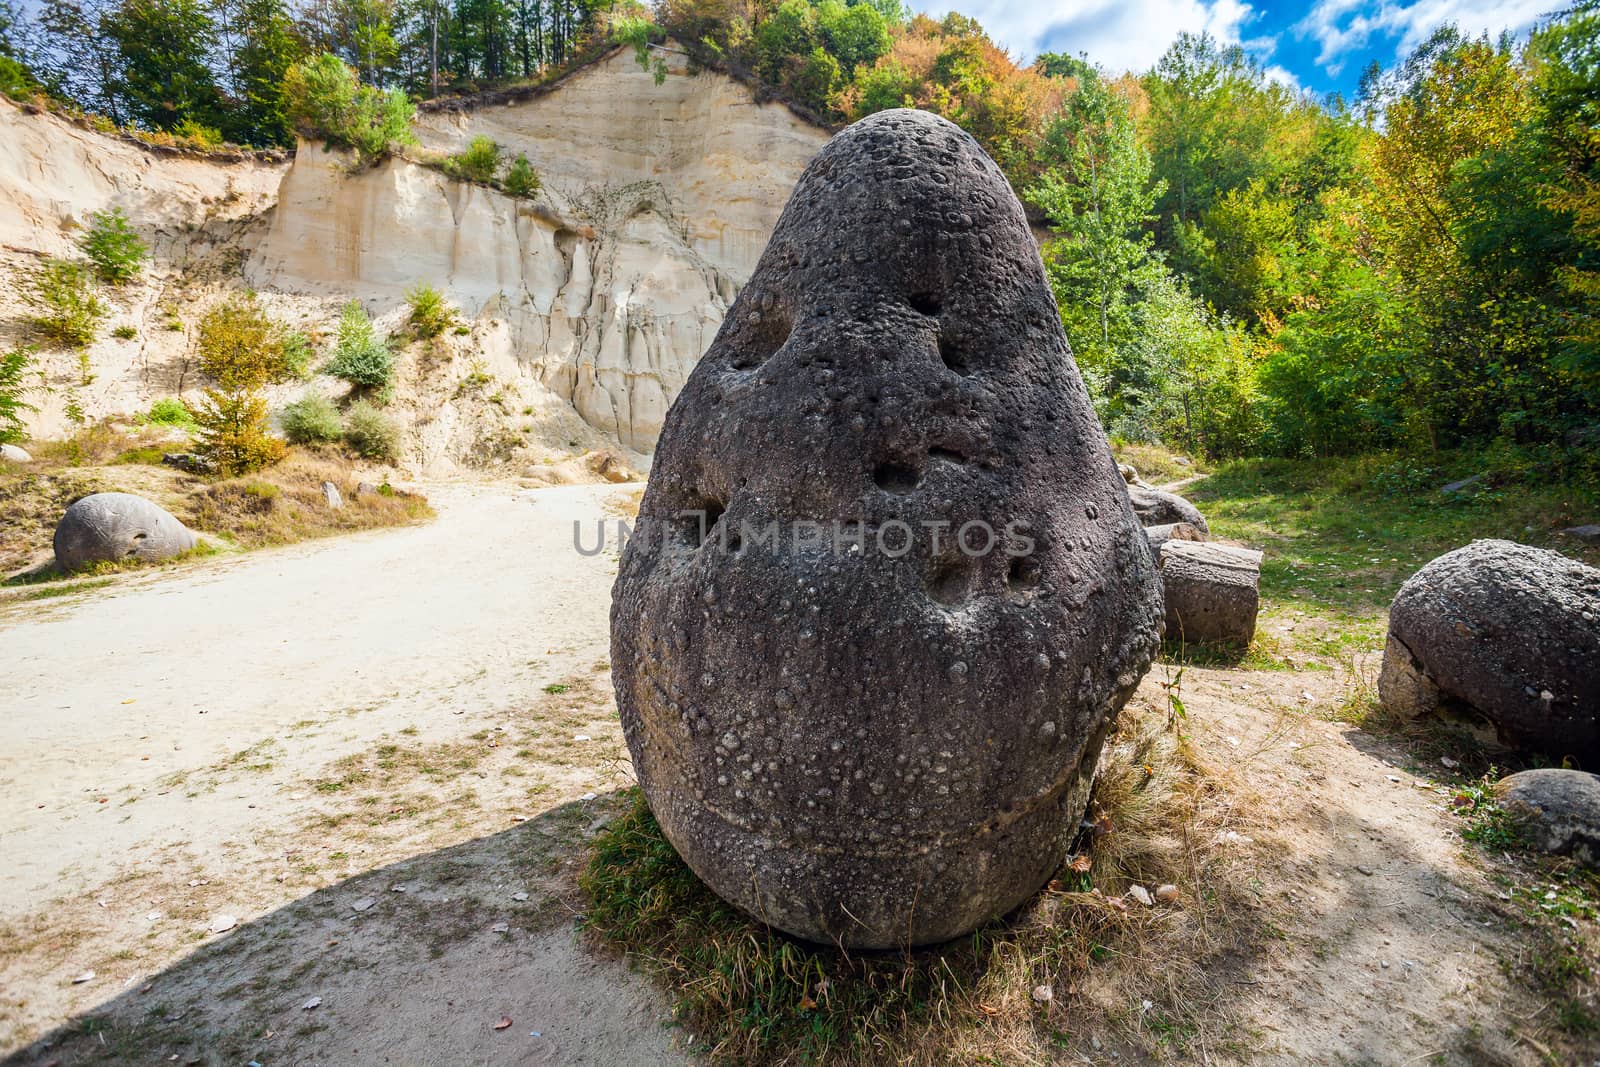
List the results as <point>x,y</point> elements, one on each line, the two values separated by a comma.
<point>657,201</point>
<point>587,305</point>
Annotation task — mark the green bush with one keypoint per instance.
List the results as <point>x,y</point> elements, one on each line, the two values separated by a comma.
<point>522,180</point>
<point>360,357</point>
<point>430,314</point>
<point>113,247</point>
<point>125,333</point>
<point>297,354</point>
<point>325,100</point>
<point>311,420</point>
<point>170,411</point>
<point>13,369</point>
<point>478,162</point>
<point>68,309</point>
<point>15,81</point>
<point>198,134</point>
<point>371,433</point>
<point>233,433</point>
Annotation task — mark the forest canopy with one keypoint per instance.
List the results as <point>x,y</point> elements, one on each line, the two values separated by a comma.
<point>1241,268</point>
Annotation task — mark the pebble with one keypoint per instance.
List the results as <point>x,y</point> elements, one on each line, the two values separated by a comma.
<point>1167,894</point>
<point>363,904</point>
<point>1043,994</point>
<point>310,1004</point>
<point>1364,870</point>
<point>223,923</point>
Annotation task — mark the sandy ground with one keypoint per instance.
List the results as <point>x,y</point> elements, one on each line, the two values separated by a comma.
<point>325,804</point>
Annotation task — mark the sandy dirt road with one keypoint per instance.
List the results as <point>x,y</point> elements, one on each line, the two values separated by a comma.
<point>179,746</point>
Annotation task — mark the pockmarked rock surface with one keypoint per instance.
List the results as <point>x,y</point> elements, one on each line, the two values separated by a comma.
<point>105,527</point>
<point>1158,508</point>
<point>1559,810</point>
<point>853,720</point>
<point>1509,632</point>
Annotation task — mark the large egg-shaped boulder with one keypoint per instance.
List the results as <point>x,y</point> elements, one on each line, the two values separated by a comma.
<point>1506,631</point>
<point>112,526</point>
<point>886,594</point>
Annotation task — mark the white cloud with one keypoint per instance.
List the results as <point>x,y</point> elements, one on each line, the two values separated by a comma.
<point>1117,34</point>
<point>1345,26</point>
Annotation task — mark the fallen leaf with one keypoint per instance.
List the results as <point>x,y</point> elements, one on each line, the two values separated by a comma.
<point>988,1009</point>
<point>1081,863</point>
<point>807,1004</point>
<point>505,1021</point>
<point>1141,894</point>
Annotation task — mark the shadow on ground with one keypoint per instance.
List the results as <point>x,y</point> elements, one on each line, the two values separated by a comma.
<point>414,963</point>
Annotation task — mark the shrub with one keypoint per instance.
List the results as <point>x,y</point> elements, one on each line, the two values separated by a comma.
<point>311,420</point>
<point>325,100</point>
<point>68,309</point>
<point>15,81</point>
<point>197,134</point>
<point>371,433</point>
<point>13,369</point>
<point>360,357</point>
<point>233,432</point>
<point>478,162</point>
<point>170,411</point>
<point>125,333</point>
<point>430,314</point>
<point>113,247</point>
<point>297,354</point>
<point>242,349</point>
<point>522,180</point>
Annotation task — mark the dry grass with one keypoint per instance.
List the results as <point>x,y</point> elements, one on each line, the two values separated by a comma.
<point>284,503</point>
<point>1156,464</point>
<point>1151,981</point>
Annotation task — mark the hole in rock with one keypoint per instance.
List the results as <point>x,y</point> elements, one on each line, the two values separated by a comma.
<point>949,581</point>
<point>924,303</point>
<point>698,523</point>
<point>949,455</point>
<point>951,354</point>
<point>1023,574</point>
<point>758,340</point>
<point>896,477</point>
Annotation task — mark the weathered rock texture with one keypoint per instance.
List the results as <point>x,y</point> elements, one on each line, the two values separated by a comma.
<point>112,526</point>
<point>1157,508</point>
<point>1508,631</point>
<point>853,745</point>
<point>1559,811</point>
<point>1172,531</point>
<point>1211,591</point>
<point>15,454</point>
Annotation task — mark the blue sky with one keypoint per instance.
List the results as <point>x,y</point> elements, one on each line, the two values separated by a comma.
<point>1321,46</point>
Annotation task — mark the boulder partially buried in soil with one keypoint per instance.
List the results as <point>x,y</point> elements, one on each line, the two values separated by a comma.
<point>1211,592</point>
<point>862,706</point>
<point>106,527</point>
<point>1157,508</point>
<point>1509,632</point>
<point>1558,810</point>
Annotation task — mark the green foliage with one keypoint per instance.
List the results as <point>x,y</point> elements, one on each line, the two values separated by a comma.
<point>243,351</point>
<point>125,332</point>
<point>324,99</point>
<point>16,81</point>
<point>66,306</point>
<point>478,162</point>
<point>197,134</point>
<point>111,245</point>
<point>360,356</point>
<point>298,354</point>
<point>164,51</point>
<point>521,179</point>
<point>371,433</point>
<point>271,45</point>
<point>170,411</point>
<point>313,419</point>
<point>430,314</point>
<point>14,367</point>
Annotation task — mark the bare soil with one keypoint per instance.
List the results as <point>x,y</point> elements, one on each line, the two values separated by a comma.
<point>381,756</point>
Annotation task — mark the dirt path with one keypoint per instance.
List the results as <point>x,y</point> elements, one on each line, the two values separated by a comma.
<point>181,747</point>
<point>390,813</point>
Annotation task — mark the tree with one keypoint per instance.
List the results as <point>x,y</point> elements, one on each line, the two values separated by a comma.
<point>272,44</point>
<point>13,372</point>
<point>164,51</point>
<point>243,351</point>
<point>111,245</point>
<point>1098,198</point>
<point>324,99</point>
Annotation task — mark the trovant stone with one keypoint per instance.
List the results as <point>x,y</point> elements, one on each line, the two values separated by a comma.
<point>853,715</point>
<point>112,526</point>
<point>1509,632</point>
